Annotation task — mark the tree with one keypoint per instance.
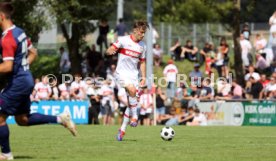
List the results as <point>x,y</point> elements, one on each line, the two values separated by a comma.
<point>76,15</point>
<point>28,16</point>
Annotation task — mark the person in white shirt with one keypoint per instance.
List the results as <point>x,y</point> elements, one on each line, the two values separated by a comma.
<point>146,103</point>
<point>42,89</point>
<point>65,64</point>
<point>107,103</point>
<point>132,51</point>
<point>170,72</point>
<point>64,89</point>
<point>272,23</point>
<point>260,43</point>
<point>157,54</point>
<point>199,119</point>
<point>77,89</point>
<point>270,90</point>
<point>245,49</point>
<point>252,73</point>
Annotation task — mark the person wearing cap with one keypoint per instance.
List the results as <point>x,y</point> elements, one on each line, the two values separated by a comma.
<point>196,75</point>
<point>170,72</point>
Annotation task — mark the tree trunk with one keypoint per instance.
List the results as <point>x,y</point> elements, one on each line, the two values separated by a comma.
<point>73,45</point>
<point>237,48</point>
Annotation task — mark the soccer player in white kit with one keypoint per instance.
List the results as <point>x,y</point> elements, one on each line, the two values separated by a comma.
<point>131,52</point>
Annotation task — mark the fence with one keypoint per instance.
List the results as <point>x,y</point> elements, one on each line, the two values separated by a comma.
<point>198,33</point>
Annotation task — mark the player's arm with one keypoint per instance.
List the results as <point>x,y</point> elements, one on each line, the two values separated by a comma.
<point>111,50</point>
<point>143,73</point>
<point>6,66</point>
<point>32,54</point>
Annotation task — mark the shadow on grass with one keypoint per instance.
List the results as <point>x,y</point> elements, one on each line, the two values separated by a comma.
<point>134,140</point>
<point>23,157</point>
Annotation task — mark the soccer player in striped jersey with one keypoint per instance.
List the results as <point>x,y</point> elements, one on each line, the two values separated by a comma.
<point>132,51</point>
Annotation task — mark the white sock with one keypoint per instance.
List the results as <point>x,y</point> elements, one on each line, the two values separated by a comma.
<point>8,155</point>
<point>58,120</point>
<point>133,107</point>
<point>126,120</point>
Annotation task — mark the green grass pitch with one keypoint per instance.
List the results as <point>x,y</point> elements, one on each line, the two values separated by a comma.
<point>97,143</point>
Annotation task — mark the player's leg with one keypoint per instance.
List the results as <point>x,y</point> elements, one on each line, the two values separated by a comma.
<point>133,102</point>
<point>4,139</point>
<point>24,118</point>
<point>125,122</point>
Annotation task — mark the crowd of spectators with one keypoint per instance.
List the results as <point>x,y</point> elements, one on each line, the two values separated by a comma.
<point>174,105</point>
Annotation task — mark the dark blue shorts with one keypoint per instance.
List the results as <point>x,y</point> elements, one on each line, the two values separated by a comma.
<point>15,98</point>
<point>14,106</point>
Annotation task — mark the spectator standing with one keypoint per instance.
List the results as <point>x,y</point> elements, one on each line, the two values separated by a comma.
<point>219,61</point>
<point>245,49</point>
<point>224,51</point>
<point>121,29</point>
<point>170,72</point>
<point>245,31</point>
<point>146,103</point>
<point>95,61</point>
<point>272,23</point>
<point>160,104</point>
<point>103,31</point>
<point>260,43</point>
<point>94,94</point>
<point>155,36</point>
<point>65,64</point>
<point>107,106</point>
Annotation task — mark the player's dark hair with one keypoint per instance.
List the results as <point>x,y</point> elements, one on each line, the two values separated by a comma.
<point>7,9</point>
<point>141,24</point>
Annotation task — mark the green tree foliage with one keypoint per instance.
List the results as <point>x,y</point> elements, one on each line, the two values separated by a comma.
<point>29,16</point>
<point>77,15</point>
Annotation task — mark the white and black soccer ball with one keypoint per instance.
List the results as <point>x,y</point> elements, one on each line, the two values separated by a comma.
<point>167,133</point>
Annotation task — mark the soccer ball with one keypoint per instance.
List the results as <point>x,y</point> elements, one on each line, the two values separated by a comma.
<point>167,133</point>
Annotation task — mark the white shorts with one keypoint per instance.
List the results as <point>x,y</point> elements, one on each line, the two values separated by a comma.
<point>123,81</point>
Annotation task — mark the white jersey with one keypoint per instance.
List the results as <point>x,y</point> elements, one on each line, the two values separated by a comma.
<point>64,90</point>
<point>170,72</point>
<point>43,90</point>
<point>130,54</point>
<point>78,87</point>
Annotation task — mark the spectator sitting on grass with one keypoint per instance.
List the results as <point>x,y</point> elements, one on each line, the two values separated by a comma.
<point>189,51</point>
